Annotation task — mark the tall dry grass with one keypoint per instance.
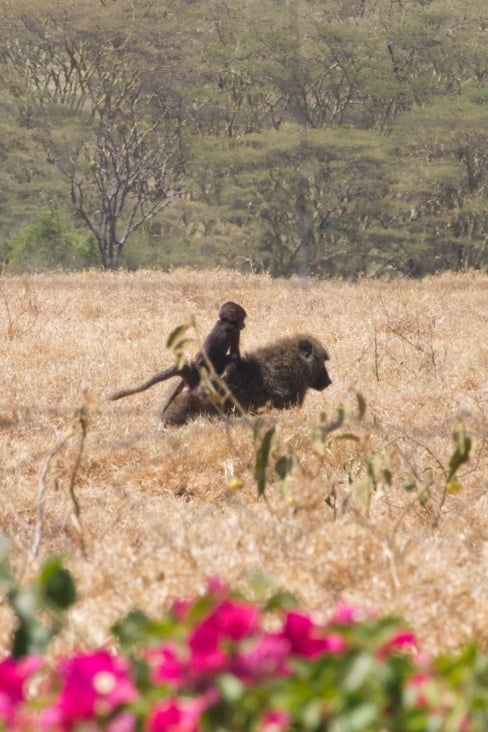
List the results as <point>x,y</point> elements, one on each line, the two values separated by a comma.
<point>148,513</point>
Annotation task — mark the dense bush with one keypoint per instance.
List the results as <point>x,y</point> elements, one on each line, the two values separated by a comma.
<point>220,662</point>
<point>49,241</point>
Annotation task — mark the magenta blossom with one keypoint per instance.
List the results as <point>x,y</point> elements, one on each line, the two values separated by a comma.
<point>403,640</point>
<point>208,641</point>
<point>268,657</point>
<point>93,685</point>
<point>166,665</point>
<point>344,614</point>
<point>275,721</point>
<point>177,715</point>
<point>229,620</point>
<point>307,639</point>
<point>13,677</point>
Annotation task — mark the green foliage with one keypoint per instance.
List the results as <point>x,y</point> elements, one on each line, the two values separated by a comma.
<point>209,663</point>
<point>373,473</point>
<point>50,240</point>
<point>178,343</point>
<point>49,596</point>
<point>265,445</point>
<point>343,139</point>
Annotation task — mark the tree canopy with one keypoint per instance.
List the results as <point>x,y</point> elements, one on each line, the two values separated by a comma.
<point>327,137</point>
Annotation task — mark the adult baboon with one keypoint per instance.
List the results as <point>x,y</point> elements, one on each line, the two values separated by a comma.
<point>278,375</point>
<point>220,348</point>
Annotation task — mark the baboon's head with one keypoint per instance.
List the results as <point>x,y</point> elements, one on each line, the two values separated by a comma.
<point>233,313</point>
<point>315,356</point>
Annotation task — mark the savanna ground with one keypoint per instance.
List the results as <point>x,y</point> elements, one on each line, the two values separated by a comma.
<point>161,510</point>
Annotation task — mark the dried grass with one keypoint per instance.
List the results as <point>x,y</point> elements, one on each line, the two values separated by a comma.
<point>156,514</point>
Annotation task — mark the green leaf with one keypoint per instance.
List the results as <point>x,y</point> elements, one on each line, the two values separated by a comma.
<point>177,343</point>
<point>363,492</point>
<point>231,688</point>
<point>374,468</point>
<point>7,580</point>
<point>175,337</point>
<point>409,486</point>
<point>361,668</point>
<point>464,448</point>
<point>132,629</point>
<point>281,600</point>
<point>361,405</point>
<point>321,430</point>
<point>60,589</point>
<point>262,458</point>
<point>25,602</point>
<point>55,583</point>
<point>285,466</point>
<point>31,637</point>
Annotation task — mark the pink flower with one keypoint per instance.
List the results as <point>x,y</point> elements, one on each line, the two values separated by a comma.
<point>229,621</point>
<point>215,586</point>
<point>268,657</point>
<point>93,684</point>
<point>166,665</point>
<point>306,638</point>
<point>174,715</point>
<point>418,686</point>
<point>334,643</point>
<point>237,620</point>
<point>275,721</point>
<point>124,722</point>
<point>344,614</point>
<point>401,641</point>
<point>180,609</point>
<point>13,676</point>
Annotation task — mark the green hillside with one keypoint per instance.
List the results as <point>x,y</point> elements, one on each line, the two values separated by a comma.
<point>325,137</point>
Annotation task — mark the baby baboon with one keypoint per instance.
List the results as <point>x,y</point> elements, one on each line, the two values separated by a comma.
<point>277,375</point>
<point>220,348</point>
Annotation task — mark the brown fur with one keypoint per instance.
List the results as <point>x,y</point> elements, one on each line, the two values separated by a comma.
<point>278,375</point>
<point>220,347</point>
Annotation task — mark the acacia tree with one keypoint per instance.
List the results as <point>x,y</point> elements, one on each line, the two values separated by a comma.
<point>127,173</point>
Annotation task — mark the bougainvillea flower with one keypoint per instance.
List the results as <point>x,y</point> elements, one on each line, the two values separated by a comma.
<point>306,639</point>
<point>334,643</point>
<point>417,688</point>
<point>174,715</point>
<point>268,657</point>
<point>166,665</point>
<point>215,586</point>
<point>13,676</point>
<point>93,685</point>
<point>403,640</point>
<point>275,721</point>
<point>229,621</point>
<point>344,614</point>
<point>180,609</point>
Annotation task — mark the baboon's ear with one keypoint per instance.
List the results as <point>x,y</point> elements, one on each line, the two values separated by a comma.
<point>306,348</point>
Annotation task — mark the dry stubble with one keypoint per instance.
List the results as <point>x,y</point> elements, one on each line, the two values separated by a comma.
<point>157,515</point>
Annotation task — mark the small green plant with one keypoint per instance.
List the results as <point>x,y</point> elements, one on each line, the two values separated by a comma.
<point>48,597</point>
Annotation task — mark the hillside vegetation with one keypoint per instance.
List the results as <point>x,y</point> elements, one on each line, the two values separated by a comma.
<point>334,138</point>
<point>371,513</point>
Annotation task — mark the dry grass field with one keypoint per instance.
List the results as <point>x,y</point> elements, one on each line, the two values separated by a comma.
<point>159,510</point>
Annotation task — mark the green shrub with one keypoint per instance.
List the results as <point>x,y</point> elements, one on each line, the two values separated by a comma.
<point>49,241</point>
